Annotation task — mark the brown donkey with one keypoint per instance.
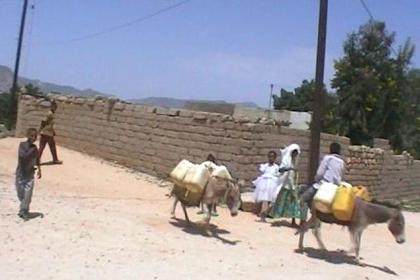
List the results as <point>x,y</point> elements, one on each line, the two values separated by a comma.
<point>364,214</point>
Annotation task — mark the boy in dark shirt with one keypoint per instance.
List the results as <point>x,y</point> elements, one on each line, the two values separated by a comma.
<point>28,158</point>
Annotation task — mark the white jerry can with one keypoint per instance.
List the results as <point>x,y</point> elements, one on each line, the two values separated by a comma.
<point>196,178</point>
<point>179,172</point>
<point>221,172</point>
<point>324,197</point>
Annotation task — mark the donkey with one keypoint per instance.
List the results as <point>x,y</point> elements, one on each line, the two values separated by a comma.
<point>215,190</point>
<point>364,214</point>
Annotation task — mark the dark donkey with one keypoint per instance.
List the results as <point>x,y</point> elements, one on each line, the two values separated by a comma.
<point>364,214</point>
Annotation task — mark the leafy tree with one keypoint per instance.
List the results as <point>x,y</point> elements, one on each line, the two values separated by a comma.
<point>370,84</point>
<point>30,89</point>
<point>302,99</point>
<point>410,128</point>
<point>8,105</point>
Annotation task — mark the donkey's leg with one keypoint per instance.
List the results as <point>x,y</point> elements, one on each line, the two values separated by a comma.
<point>317,232</point>
<point>358,236</point>
<point>207,213</point>
<point>185,213</point>
<point>174,207</point>
<point>301,231</point>
<point>352,242</point>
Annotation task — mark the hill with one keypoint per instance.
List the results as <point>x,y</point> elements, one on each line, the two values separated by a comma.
<point>180,103</point>
<point>6,80</point>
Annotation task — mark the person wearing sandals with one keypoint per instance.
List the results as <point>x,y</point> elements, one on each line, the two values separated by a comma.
<point>267,185</point>
<point>287,201</point>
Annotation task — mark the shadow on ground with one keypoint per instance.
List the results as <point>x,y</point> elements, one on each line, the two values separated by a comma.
<point>34,215</point>
<point>340,257</point>
<point>51,163</point>
<point>199,229</point>
<point>283,223</point>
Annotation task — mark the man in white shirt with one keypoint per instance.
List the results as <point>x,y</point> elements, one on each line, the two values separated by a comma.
<point>330,170</point>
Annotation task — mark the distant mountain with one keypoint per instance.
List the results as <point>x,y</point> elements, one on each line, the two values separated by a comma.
<point>161,101</point>
<point>180,103</point>
<point>6,80</point>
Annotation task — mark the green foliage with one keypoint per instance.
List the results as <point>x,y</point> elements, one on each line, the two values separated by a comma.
<point>6,114</point>
<point>371,86</point>
<point>30,89</point>
<point>8,105</point>
<point>301,100</point>
<point>410,127</point>
<point>376,93</point>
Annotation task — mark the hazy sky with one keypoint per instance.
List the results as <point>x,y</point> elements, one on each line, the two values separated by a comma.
<point>204,49</point>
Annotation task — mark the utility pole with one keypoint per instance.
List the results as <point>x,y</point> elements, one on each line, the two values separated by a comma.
<point>13,99</point>
<point>317,117</point>
<point>269,101</point>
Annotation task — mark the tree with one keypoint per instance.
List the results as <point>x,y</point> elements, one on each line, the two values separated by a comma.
<point>410,128</point>
<point>30,89</point>
<point>302,99</point>
<point>8,101</point>
<point>370,84</point>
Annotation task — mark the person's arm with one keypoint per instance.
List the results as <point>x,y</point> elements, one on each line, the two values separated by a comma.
<point>26,152</point>
<point>343,171</point>
<point>285,169</point>
<point>46,121</point>
<point>263,167</point>
<point>38,164</point>
<point>321,169</point>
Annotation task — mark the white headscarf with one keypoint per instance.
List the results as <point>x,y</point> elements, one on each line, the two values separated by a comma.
<point>286,162</point>
<point>286,155</point>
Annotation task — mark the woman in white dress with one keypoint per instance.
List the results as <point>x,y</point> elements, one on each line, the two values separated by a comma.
<point>267,184</point>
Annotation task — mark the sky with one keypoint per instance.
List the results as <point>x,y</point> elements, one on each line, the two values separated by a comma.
<point>202,49</point>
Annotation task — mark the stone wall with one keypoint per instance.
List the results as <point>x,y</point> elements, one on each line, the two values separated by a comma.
<point>153,140</point>
<point>210,107</point>
<point>298,120</point>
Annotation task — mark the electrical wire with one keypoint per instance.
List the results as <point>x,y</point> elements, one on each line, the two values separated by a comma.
<point>124,25</point>
<point>373,19</point>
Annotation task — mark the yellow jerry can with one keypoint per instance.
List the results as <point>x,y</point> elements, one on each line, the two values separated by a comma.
<point>362,192</point>
<point>343,204</point>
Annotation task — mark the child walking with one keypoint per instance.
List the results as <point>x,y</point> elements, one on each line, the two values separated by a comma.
<point>28,158</point>
<point>267,185</point>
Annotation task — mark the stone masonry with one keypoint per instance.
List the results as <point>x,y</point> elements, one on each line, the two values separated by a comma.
<point>153,140</point>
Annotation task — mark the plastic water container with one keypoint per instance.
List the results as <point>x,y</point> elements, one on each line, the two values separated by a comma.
<point>343,205</point>
<point>324,197</point>
<point>179,172</point>
<point>209,165</point>
<point>196,178</point>
<point>221,172</point>
<point>345,184</point>
<point>362,192</point>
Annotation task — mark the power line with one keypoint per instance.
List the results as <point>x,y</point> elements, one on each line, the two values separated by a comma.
<point>373,18</point>
<point>124,25</point>
<point>367,9</point>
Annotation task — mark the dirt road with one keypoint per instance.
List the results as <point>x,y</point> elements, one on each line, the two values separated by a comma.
<point>106,222</point>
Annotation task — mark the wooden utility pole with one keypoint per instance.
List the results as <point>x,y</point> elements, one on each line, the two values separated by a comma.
<point>13,99</point>
<point>269,101</point>
<point>317,117</point>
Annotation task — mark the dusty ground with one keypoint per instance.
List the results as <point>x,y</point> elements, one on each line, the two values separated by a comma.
<point>105,222</point>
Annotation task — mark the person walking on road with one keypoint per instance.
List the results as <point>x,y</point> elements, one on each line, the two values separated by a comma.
<point>28,163</point>
<point>47,134</point>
